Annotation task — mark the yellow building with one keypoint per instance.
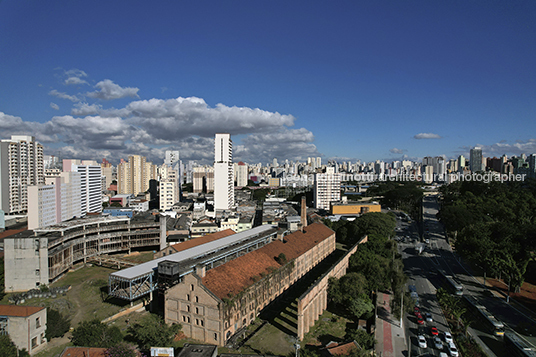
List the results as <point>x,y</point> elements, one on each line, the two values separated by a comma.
<point>355,208</point>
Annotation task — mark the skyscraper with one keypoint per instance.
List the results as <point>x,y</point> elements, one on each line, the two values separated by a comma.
<point>21,165</point>
<point>327,188</point>
<point>475,160</point>
<point>133,176</point>
<point>223,172</point>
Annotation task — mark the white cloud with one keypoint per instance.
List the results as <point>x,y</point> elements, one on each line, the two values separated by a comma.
<point>109,90</point>
<point>397,151</point>
<point>174,119</point>
<point>74,80</point>
<point>62,95</point>
<point>503,147</point>
<point>54,106</point>
<point>83,109</point>
<point>427,136</point>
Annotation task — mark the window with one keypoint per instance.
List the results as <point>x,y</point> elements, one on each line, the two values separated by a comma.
<point>38,322</point>
<point>192,287</point>
<point>188,308</point>
<point>188,297</point>
<point>34,342</point>
<point>37,272</point>
<point>215,336</point>
<point>197,310</point>
<point>197,299</point>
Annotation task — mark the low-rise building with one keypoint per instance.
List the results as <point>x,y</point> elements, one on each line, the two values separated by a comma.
<point>212,305</point>
<point>25,325</point>
<point>354,208</point>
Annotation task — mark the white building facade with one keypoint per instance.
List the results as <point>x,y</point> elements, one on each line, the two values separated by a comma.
<point>223,172</point>
<point>327,188</point>
<point>21,165</point>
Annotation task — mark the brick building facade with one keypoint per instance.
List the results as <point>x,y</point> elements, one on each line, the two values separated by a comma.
<point>211,306</point>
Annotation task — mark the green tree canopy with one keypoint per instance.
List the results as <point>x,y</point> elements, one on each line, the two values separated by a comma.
<point>57,324</point>
<point>96,334</point>
<point>153,331</point>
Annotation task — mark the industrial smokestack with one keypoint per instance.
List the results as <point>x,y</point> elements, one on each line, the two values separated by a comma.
<point>303,213</point>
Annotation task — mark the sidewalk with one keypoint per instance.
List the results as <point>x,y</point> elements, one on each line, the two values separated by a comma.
<point>390,337</point>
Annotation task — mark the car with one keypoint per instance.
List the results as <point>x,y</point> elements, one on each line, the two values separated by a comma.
<point>453,351</point>
<point>447,337</point>
<point>422,341</point>
<point>428,317</point>
<point>438,343</point>
<point>442,354</point>
<point>420,321</point>
<point>427,241</point>
<point>433,331</point>
<point>416,310</point>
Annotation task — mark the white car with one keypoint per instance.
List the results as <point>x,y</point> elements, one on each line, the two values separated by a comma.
<point>453,351</point>
<point>442,354</point>
<point>428,317</point>
<point>447,336</point>
<point>438,343</point>
<point>422,341</point>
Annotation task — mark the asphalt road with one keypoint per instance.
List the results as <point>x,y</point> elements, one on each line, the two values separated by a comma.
<point>422,272</point>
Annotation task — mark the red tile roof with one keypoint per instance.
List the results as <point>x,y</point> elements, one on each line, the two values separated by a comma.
<point>342,349</point>
<point>83,352</point>
<point>179,247</point>
<point>12,232</point>
<point>19,311</point>
<point>231,278</point>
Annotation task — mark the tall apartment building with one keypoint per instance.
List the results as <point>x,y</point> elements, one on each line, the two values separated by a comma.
<point>21,165</point>
<point>241,172</point>
<point>133,176</point>
<point>60,199</point>
<point>475,160</point>
<point>91,183</point>
<point>327,188</point>
<point>108,173</point>
<point>168,187</point>
<point>203,179</point>
<point>223,172</point>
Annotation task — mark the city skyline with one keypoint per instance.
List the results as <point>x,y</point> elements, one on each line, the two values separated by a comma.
<point>361,81</point>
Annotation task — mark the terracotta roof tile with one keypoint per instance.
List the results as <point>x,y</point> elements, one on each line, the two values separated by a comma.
<point>342,349</point>
<point>179,247</point>
<point>12,232</point>
<point>232,277</point>
<point>19,311</point>
<point>84,352</point>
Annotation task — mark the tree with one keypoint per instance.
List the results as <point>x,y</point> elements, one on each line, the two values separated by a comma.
<point>9,349</point>
<point>121,350</point>
<point>57,324</point>
<point>96,334</point>
<point>365,340</point>
<point>360,306</point>
<point>152,331</point>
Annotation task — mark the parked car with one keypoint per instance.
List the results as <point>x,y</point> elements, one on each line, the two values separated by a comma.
<point>420,321</point>
<point>428,317</point>
<point>422,341</point>
<point>453,351</point>
<point>438,343</point>
<point>433,331</point>
<point>447,336</point>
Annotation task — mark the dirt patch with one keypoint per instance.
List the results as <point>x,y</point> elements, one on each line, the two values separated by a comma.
<point>526,296</point>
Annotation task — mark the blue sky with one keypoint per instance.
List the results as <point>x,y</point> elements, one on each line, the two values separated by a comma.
<point>346,79</point>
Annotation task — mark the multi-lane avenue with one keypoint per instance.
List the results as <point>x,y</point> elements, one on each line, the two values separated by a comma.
<point>422,270</point>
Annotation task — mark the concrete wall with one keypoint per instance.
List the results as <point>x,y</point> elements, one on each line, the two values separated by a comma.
<point>26,265</point>
<point>314,301</point>
<point>25,333</point>
<point>196,309</point>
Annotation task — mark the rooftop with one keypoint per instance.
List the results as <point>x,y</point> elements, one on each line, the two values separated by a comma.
<point>19,311</point>
<point>232,277</point>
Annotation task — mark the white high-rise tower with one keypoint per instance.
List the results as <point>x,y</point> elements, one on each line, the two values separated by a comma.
<point>223,172</point>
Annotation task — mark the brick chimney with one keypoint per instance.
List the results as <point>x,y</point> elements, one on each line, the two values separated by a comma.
<point>303,213</point>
